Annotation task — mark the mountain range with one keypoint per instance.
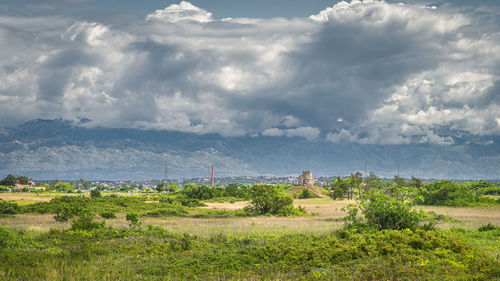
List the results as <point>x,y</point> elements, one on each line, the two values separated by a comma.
<point>70,149</point>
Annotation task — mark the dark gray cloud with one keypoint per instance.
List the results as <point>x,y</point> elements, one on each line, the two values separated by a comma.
<point>368,72</point>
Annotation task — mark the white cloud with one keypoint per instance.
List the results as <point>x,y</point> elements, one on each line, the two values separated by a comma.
<point>273,132</point>
<point>308,133</point>
<point>180,12</point>
<point>364,71</point>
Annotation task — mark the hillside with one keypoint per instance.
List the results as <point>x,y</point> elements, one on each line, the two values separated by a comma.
<point>49,149</point>
<point>294,191</point>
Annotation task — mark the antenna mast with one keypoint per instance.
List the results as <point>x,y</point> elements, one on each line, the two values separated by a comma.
<point>365,170</point>
<point>166,170</point>
<point>212,175</point>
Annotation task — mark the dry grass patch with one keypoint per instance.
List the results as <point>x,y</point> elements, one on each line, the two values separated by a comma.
<point>206,227</point>
<point>33,197</point>
<point>468,217</point>
<point>246,226</point>
<point>33,222</point>
<point>324,207</point>
<point>226,205</point>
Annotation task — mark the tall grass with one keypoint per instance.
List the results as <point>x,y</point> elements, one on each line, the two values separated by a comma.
<point>153,253</point>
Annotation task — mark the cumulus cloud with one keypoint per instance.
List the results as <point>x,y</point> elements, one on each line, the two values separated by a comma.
<point>360,71</point>
<point>180,12</point>
<point>308,133</point>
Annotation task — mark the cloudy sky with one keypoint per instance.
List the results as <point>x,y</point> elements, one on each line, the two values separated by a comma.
<point>363,71</point>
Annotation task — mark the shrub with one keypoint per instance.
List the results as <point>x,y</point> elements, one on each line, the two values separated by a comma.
<point>64,212</point>
<point>202,192</point>
<point>306,194</point>
<point>487,227</point>
<point>95,193</point>
<point>108,215</point>
<point>449,193</point>
<point>383,212</point>
<point>8,208</point>
<point>352,215</point>
<point>133,220</point>
<point>267,199</point>
<point>7,237</point>
<point>86,222</point>
<point>167,212</point>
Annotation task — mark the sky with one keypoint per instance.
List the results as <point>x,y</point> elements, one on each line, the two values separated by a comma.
<point>370,72</point>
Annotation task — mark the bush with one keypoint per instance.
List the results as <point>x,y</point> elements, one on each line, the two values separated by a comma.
<point>133,220</point>
<point>202,192</point>
<point>8,208</point>
<point>449,193</point>
<point>95,193</point>
<point>86,222</point>
<point>267,199</point>
<point>383,212</point>
<point>108,215</point>
<point>167,212</point>
<point>7,237</point>
<point>487,227</point>
<point>66,211</point>
<point>306,194</point>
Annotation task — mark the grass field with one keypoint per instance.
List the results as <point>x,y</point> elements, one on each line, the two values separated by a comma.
<point>327,219</point>
<point>313,247</point>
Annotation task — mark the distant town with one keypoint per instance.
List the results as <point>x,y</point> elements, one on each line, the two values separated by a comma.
<point>150,185</point>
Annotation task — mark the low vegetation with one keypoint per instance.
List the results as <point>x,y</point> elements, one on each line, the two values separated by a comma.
<point>91,250</point>
<point>381,211</point>
<point>448,193</point>
<point>385,236</point>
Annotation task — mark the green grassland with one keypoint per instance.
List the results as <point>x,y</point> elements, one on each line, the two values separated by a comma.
<point>216,239</point>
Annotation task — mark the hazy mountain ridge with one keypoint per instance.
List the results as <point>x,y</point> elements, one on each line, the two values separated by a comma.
<point>48,149</point>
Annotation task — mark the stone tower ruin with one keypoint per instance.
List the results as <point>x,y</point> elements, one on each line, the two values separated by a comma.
<point>306,178</point>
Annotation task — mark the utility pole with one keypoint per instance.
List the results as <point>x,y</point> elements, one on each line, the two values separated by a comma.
<point>166,171</point>
<point>212,175</point>
<point>365,171</point>
<point>398,168</point>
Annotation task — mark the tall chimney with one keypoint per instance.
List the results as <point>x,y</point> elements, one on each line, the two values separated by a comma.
<point>212,175</point>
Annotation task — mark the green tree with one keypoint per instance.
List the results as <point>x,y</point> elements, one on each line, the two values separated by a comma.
<point>201,192</point>
<point>450,193</point>
<point>339,188</point>
<point>232,190</point>
<point>399,181</point>
<point>8,208</point>
<point>133,220</point>
<point>9,180</point>
<point>23,180</point>
<point>160,187</point>
<point>80,183</point>
<point>172,187</point>
<point>267,199</point>
<point>372,182</point>
<point>383,212</point>
<point>354,182</point>
<point>95,193</point>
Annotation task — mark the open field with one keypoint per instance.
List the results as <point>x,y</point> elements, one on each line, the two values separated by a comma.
<point>187,247</point>
<point>327,218</point>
